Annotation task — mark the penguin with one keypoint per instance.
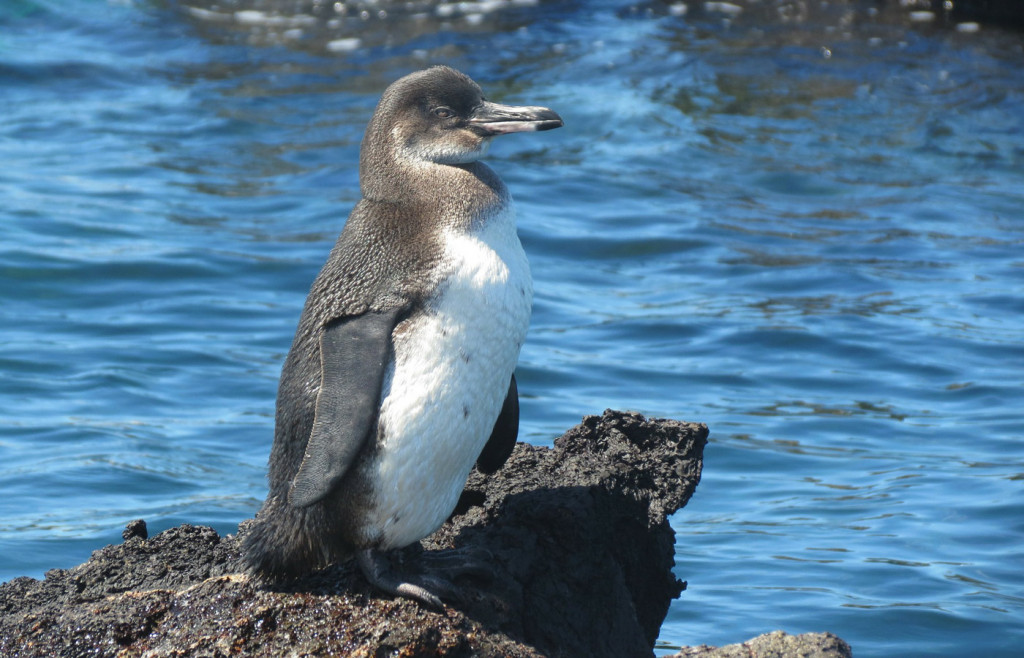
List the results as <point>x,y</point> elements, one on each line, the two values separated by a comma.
<point>400,375</point>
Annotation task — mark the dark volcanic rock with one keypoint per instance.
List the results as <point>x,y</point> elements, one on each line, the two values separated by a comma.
<point>582,549</point>
<point>776,645</point>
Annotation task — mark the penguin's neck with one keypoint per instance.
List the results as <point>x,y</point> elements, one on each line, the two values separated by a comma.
<point>459,195</point>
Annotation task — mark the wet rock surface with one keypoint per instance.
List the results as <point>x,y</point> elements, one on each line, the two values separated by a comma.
<point>582,552</point>
<point>776,645</point>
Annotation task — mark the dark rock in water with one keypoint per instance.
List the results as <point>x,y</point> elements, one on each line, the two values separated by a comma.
<point>582,548</point>
<point>776,645</point>
<point>136,528</point>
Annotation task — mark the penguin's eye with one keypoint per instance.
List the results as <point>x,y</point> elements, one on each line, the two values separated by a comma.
<point>444,112</point>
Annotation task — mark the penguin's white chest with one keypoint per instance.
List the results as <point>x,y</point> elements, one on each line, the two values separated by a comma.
<point>451,372</point>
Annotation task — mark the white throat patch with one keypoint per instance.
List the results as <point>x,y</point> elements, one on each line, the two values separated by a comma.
<point>440,152</point>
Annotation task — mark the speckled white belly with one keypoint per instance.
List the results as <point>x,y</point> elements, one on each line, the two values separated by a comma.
<point>451,374</point>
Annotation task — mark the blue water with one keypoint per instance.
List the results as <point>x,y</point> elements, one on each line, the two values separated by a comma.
<point>802,226</point>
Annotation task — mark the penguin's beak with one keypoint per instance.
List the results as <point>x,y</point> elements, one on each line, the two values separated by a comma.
<point>495,119</point>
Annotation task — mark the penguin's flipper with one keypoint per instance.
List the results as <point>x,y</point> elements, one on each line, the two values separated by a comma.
<point>503,436</point>
<point>354,352</point>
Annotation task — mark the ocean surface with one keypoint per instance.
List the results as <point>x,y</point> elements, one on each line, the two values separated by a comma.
<point>800,223</point>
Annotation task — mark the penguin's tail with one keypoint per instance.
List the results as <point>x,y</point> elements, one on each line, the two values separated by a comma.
<point>283,540</point>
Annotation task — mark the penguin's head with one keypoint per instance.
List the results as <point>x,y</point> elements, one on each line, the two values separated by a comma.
<point>440,115</point>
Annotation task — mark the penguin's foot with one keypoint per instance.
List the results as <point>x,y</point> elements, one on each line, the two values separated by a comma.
<point>377,571</point>
<point>467,561</point>
<point>427,588</point>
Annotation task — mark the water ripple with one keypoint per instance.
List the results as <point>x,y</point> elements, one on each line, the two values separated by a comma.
<point>803,228</point>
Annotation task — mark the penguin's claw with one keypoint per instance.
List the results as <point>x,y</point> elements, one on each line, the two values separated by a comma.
<point>416,593</point>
